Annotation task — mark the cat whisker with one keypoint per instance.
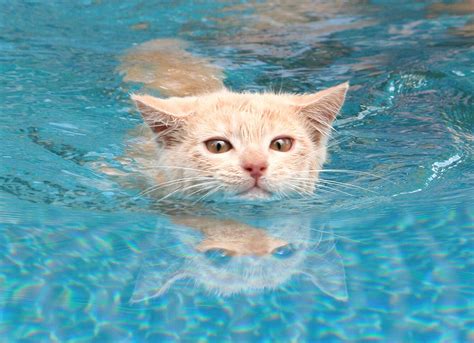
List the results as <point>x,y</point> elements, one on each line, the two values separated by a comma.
<point>336,142</point>
<point>283,194</point>
<point>210,192</point>
<point>193,172</point>
<point>346,185</point>
<point>324,124</point>
<point>301,194</point>
<point>319,187</point>
<point>322,132</point>
<point>158,186</point>
<point>300,189</point>
<point>329,189</point>
<point>178,168</point>
<point>205,188</point>
<point>347,171</point>
<point>154,188</point>
<point>337,183</point>
<point>185,189</point>
<point>204,185</point>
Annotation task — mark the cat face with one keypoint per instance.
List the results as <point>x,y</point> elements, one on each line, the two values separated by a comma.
<point>242,145</point>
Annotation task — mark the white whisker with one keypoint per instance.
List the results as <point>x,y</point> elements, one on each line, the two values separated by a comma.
<point>347,171</point>
<point>154,188</point>
<point>185,189</point>
<point>328,189</point>
<point>346,185</point>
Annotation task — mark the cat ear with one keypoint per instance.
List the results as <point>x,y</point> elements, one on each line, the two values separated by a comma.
<point>164,116</point>
<point>325,269</point>
<point>156,278</point>
<point>322,107</point>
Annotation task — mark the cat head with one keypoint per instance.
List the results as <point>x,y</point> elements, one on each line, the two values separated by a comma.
<point>242,145</point>
<point>234,258</point>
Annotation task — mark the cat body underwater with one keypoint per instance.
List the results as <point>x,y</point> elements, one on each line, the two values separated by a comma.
<point>213,141</point>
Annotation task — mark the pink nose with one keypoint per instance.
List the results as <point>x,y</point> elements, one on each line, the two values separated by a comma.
<point>255,169</point>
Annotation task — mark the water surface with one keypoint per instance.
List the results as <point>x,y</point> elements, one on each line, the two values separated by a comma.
<point>390,261</point>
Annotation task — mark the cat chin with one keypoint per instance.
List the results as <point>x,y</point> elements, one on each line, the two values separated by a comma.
<point>254,193</point>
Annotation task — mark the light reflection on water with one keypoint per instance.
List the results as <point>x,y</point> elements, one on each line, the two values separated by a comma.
<point>78,246</point>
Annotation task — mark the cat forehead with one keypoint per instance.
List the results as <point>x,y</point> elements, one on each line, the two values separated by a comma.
<point>250,125</point>
<point>240,104</point>
<point>244,100</point>
<point>250,112</point>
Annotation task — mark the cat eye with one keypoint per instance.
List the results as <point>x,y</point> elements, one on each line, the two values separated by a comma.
<point>284,251</point>
<point>218,146</point>
<point>282,144</point>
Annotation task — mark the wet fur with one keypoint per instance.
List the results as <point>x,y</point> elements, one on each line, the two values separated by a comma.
<point>250,121</point>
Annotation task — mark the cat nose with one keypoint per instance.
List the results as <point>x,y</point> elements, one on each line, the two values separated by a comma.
<point>256,169</point>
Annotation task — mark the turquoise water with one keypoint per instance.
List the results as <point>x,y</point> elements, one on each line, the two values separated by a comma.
<point>388,258</point>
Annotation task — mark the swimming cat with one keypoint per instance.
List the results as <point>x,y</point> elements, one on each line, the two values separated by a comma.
<point>233,257</point>
<point>215,141</point>
<point>205,139</point>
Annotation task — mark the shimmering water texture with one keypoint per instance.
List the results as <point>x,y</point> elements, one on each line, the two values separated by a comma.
<point>388,257</point>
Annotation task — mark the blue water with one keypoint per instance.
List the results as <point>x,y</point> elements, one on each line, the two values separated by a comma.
<point>388,259</point>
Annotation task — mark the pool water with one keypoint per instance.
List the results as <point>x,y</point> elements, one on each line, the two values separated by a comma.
<point>386,256</point>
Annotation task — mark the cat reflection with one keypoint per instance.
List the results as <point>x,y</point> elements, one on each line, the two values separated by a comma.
<point>227,257</point>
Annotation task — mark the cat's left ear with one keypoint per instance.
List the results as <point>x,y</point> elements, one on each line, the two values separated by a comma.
<point>321,108</point>
<point>164,116</point>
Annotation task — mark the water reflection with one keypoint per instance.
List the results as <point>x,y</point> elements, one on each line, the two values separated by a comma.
<point>225,257</point>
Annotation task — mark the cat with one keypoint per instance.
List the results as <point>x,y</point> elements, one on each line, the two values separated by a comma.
<point>205,140</point>
<point>215,142</point>
<point>232,257</point>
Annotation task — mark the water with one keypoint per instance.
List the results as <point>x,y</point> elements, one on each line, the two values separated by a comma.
<point>390,262</point>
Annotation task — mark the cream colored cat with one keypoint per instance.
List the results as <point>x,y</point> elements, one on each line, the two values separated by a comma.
<point>237,145</point>
<point>207,140</point>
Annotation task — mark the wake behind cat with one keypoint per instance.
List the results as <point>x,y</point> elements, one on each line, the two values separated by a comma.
<point>166,66</point>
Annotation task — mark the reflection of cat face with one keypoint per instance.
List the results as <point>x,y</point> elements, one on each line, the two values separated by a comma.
<point>233,258</point>
<point>226,275</point>
<point>232,242</point>
<point>242,145</point>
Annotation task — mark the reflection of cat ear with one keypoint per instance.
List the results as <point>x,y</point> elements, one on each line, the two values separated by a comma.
<point>155,279</point>
<point>326,270</point>
<point>164,116</point>
<point>322,107</point>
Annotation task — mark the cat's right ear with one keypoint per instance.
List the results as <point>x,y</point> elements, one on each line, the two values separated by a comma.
<point>164,116</point>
